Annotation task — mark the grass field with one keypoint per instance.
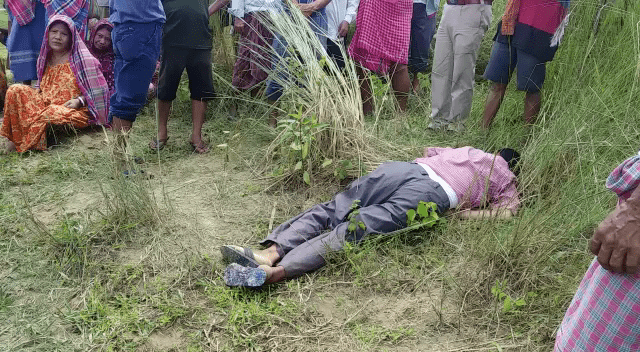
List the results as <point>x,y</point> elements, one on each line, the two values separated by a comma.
<point>89,261</point>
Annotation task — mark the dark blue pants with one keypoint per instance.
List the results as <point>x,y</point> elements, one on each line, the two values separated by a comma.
<point>137,48</point>
<point>423,28</point>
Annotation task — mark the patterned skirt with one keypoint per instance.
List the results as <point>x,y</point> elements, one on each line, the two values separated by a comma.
<point>383,30</point>
<point>604,314</point>
<point>253,56</point>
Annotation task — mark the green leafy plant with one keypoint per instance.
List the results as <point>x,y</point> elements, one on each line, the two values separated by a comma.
<point>509,304</point>
<point>354,223</point>
<point>296,140</point>
<point>424,215</point>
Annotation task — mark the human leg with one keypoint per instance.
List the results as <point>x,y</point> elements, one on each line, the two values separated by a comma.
<point>365,90</point>
<point>136,48</point>
<point>401,84</point>
<point>442,71</point>
<point>468,37</point>
<point>419,44</point>
<point>200,75</point>
<point>531,75</point>
<point>502,62</point>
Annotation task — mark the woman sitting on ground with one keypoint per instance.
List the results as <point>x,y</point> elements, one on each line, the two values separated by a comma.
<point>101,48</point>
<point>72,90</point>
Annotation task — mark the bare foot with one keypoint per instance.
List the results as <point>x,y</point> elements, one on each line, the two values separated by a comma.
<point>274,274</point>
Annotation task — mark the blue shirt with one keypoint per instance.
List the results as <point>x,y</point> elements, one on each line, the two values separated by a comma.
<point>139,11</point>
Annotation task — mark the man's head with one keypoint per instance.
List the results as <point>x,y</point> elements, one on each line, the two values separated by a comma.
<point>511,157</point>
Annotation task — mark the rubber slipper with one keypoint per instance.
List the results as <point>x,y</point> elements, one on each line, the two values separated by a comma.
<point>158,144</point>
<point>236,275</point>
<point>243,256</point>
<point>200,148</point>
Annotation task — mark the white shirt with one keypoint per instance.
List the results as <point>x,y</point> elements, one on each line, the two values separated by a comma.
<point>239,8</point>
<point>432,5</point>
<point>451,194</point>
<point>338,11</point>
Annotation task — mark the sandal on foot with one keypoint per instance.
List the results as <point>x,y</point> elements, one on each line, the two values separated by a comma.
<point>200,148</point>
<point>236,275</point>
<point>158,144</point>
<point>243,256</point>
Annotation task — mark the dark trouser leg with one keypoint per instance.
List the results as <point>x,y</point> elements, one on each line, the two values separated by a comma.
<point>385,196</point>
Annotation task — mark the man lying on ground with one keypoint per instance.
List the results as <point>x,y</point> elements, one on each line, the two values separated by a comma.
<point>463,178</point>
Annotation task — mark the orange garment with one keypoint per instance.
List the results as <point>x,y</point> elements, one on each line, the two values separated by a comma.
<point>27,112</point>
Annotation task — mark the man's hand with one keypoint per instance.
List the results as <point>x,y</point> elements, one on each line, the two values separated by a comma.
<point>73,104</point>
<point>343,29</point>
<point>308,9</point>
<point>238,25</point>
<point>616,242</point>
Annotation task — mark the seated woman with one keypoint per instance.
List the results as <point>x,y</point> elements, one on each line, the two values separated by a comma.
<point>72,90</point>
<point>101,48</point>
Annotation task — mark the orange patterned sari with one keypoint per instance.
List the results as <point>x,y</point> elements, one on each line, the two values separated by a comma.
<point>27,112</point>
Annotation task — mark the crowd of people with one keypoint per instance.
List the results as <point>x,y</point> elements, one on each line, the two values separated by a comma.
<point>143,47</point>
<point>94,62</point>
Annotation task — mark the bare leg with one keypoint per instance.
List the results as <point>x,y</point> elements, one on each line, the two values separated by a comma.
<point>273,115</point>
<point>365,91</point>
<point>198,112</point>
<point>164,110</point>
<point>494,99</point>
<point>401,84</point>
<point>274,274</point>
<point>121,129</point>
<point>270,253</point>
<point>415,84</point>
<point>531,107</point>
<point>119,125</point>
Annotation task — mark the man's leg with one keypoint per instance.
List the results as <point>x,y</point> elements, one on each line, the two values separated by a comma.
<point>200,75</point>
<point>136,56</point>
<point>365,90</point>
<point>494,100</point>
<point>164,110</point>
<point>531,75</point>
<point>467,41</point>
<point>501,65</point>
<point>387,216</point>
<point>277,77</point>
<point>421,33</point>
<point>401,84</point>
<point>442,71</point>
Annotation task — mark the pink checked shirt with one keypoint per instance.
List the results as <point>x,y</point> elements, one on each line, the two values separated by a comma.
<point>477,177</point>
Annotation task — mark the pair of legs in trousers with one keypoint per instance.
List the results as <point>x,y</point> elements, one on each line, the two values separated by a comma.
<point>300,245</point>
<point>461,30</point>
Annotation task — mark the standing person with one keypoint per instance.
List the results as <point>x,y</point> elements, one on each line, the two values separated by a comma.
<point>462,178</point>
<point>604,314</point>
<point>28,21</point>
<point>315,11</point>
<point>187,43</point>
<point>137,35</point>
<point>423,27</point>
<point>525,40</point>
<point>252,56</point>
<point>381,45</point>
<point>340,14</point>
<point>462,27</point>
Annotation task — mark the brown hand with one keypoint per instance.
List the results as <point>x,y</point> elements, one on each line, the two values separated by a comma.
<point>73,104</point>
<point>343,29</point>
<point>238,25</point>
<point>616,242</point>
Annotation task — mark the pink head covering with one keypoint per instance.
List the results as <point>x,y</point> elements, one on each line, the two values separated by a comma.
<point>85,68</point>
<point>107,57</point>
<point>23,10</point>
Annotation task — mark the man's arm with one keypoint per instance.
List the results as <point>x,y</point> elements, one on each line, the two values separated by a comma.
<point>616,242</point>
<point>498,213</point>
<point>350,15</point>
<point>433,151</point>
<point>309,8</point>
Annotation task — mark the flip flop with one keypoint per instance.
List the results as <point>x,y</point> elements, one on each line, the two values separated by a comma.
<point>243,256</point>
<point>236,275</point>
<point>200,148</point>
<point>158,144</point>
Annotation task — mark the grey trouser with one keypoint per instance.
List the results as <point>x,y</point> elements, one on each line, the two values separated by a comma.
<point>385,196</point>
<point>461,30</point>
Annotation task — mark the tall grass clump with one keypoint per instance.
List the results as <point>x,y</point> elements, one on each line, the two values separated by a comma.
<point>317,94</point>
